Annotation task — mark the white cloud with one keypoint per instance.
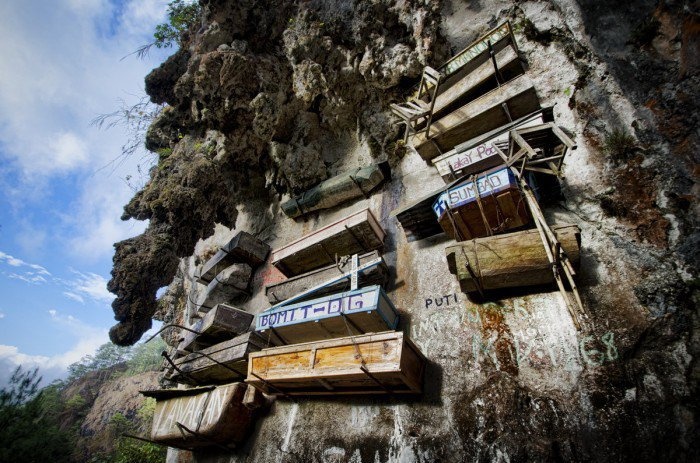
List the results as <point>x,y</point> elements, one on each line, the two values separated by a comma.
<point>2,315</point>
<point>74,296</point>
<point>90,285</point>
<point>69,151</point>
<point>88,339</point>
<point>15,262</point>
<point>28,277</point>
<point>48,99</point>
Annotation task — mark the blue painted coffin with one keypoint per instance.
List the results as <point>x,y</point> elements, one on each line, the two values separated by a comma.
<point>365,310</point>
<point>500,208</point>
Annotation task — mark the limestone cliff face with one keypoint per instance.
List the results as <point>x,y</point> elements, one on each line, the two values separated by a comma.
<point>270,98</point>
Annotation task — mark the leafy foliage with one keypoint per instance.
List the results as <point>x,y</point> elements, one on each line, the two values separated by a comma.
<point>27,433</point>
<point>182,16</point>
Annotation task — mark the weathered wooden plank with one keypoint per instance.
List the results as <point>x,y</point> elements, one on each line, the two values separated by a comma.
<point>221,323</point>
<point>474,54</point>
<point>204,369</point>
<point>378,275</point>
<point>509,260</point>
<point>460,162</point>
<point>478,116</point>
<point>451,92</point>
<point>209,417</point>
<point>364,310</point>
<point>356,234</point>
<point>491,198</point>
<point>333,366</point>
<point>358,183</point>
<point>243,248</point>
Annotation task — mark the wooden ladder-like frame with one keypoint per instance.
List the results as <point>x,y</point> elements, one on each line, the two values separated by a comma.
<point>418,110</point>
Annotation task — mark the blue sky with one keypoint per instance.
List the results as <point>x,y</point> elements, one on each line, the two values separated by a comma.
<point>60,66</point>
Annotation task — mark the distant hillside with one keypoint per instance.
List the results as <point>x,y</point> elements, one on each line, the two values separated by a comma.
<point>83,419</point>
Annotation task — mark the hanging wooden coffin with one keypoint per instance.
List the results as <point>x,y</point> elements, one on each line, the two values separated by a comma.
<point>512,100</point>
<point>509,260</point>
<point>473,157</point>
<point>243,248</point>
<point>221,363</point>
<point>364,310</point>
<point>219,324</point>
<point>279,292</point>
<point>490,201</point>
<point>200,417</point>
<point>392,364</point>
<point>358,183</point>
<point>356,234</point>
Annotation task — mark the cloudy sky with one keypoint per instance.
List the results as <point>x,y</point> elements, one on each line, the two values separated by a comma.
<point>61,193</point>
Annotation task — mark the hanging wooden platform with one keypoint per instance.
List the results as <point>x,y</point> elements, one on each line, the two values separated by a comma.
<point>221,323</point>
<point>358,183</point>
<point>221,363</point>
<point>512,100</point>
<point>364,310</point>
<point>243,248</point>
<point>201,417</point>
<point>356,234</point>
<point>483,205</point>
<point>279,292</point>
<point>378,363</point>
<point>510,260</point>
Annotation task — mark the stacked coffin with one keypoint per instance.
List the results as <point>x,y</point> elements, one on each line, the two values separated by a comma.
<point>489,140</point>
<point>331,341</point>
<point>212,356</point>
<point>227,274</point>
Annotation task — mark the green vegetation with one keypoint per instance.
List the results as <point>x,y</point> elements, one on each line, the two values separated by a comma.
<point>27,433</point>
<point>619,144</point>
<point>44,425</point>
<point>183,15</point>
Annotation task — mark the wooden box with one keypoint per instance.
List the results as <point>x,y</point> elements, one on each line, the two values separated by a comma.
<point>474,157</point>
<point>364,310</point>
<point>462,215</point>
<point>377,275</point>
<point>232,358</point>
<point>356,234</point>
<point>200,417</point>
<point>221,323</point>
<point>510,260</point>
<point>392,364</point>
<point>243,248</point>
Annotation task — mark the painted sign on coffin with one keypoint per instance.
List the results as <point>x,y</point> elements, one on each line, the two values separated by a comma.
<point>321,308</point>
<point>489,183</point>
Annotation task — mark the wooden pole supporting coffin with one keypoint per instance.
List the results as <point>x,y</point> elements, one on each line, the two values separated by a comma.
<point>377,275</point>
<point>221,323</point>
<point>355,234</point>
<point>201,417</point>
<point>510,260</point>
<point>481,206</point>
<point>364,310</point>
<point>221,363</point>
<point>243,248</point>
<point>378,363</point>
<point>358,183</point>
